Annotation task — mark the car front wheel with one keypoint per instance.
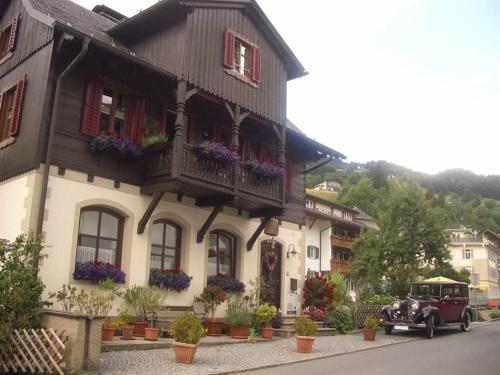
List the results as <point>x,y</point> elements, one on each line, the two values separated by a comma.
<point>465,326</point>
<point>388,330</point>
<point>429,327</point>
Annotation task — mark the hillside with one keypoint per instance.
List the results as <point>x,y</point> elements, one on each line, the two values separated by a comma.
<point>462,197</point>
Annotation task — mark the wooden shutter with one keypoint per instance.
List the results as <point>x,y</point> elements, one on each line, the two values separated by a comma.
<point>256,65</point>
<point>229,49</point>
<point>138,120</point>
<point>13,34</point>
<point>18,107</point>
<point>92,107</point>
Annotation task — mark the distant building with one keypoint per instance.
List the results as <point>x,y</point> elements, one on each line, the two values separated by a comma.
<point>332,186</point>
<point>478,253</point>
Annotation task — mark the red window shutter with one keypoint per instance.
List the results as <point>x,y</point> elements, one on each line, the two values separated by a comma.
<point>92,107</point>
<point>256,65</point>
<point>228,49</point>
<point>18,107</point>
<point>138,120</point>
<point>13,34</point>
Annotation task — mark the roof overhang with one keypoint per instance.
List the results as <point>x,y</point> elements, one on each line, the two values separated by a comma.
<point>333,219</point>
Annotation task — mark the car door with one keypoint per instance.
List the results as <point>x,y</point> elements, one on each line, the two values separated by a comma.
<point>447,304</point>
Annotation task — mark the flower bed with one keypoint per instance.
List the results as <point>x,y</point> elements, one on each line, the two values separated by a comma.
<point>227,283</point>
<point>98,271</point>
<point>217,151</point>
<point>265,169</point>
<point>121,146</point>
<point>173,279</point>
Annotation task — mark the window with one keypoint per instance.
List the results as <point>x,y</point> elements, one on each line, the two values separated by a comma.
<point>4,41</point>
<point>8,40</point>
<point>242,57</point>
<point>99,236</point>
<point>467,254</point>
<point>165,245</point>
<point>11,102</point>
<point>309,204</point>
<point>221,254</point>
<point>312,252</point>
<point>113,108</point>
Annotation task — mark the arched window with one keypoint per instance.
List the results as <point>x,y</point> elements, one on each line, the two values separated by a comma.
<point>99,235</point>
<point>165,245</point>
<point>221,254</point>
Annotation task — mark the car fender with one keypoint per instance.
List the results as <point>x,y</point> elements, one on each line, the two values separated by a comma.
<point>466,309</point>
<point>432,311</point>
<point>388,309</point>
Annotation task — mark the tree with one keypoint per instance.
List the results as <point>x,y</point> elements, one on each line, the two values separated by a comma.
<point>447,270</point>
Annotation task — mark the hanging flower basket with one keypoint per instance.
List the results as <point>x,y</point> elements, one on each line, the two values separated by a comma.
<point>115,145</point>
<point>216,151</point>
<point>173,279</point>
<point>265,169</point>
<point>98,271</point>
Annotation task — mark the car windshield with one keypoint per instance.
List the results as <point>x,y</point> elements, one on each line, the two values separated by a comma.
<point>425,291</point>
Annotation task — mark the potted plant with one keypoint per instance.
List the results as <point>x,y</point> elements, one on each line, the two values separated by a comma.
<point>152,298</point>
<point>239,317</point>
<point>212,297</point>
<point>370,328</point>
<point>187,331</point>
<point>305,332</point>
<point>108,329</point>
<point>127,328</point>
<point>265,314</point>
<point>133,298</point>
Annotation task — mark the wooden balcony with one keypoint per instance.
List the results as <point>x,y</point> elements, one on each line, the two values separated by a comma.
<point>341,241</point>
<point>200,177</point>
<point>339,265</point>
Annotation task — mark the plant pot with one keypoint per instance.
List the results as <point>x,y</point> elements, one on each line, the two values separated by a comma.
<point>139,327</point>
<point>107,334</point>
<point>305,343</point>
<point>184,353</point>
<point>241,331</point>
<point>267,332</point>
<point>214,327</point>
<point>127,332</point>
<point>151,334</point>
<point>369,334</point>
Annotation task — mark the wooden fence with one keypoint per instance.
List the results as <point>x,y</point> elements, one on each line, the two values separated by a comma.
<point>32,351</point>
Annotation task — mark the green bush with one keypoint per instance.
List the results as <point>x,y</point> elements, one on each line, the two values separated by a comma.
<point>305,326</point>
<point>187,328</point>
<point>379,299</point>
<point>340,319</point>
<point>240,316</point>
<point>371,323</point>
<point>494,314</point>
<point>340,293</point>
<point>265,313</point>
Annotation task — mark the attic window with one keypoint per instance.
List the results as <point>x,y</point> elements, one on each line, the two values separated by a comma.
<point>242,59</point>
<point>8,38</point>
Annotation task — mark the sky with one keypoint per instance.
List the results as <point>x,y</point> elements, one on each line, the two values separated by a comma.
<point>413,82</point>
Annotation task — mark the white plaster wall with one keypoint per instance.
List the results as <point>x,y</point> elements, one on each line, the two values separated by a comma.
<point>71,192</point>
<point>312,238</point>
<point>14,195</point>
<point>326,248</point>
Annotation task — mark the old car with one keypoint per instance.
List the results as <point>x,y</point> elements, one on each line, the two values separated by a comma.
<point>430,305</point>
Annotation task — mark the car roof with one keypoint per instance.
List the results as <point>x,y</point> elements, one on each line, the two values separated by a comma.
<point>438,283</point>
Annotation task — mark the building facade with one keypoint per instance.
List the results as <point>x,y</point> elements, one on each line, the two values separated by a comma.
<point>82,90</point>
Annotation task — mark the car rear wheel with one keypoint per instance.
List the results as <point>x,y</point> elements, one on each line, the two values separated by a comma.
<point>465,326</point>
<point>429,327</point>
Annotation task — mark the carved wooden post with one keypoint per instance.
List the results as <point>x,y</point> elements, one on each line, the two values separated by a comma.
<point>282,160</point>
<point>235,129</point>
<point>178,149</point>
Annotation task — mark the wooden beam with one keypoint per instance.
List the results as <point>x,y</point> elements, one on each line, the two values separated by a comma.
<point>275,211</point>
<point>229,109</point>
<point>244,115</point>
<point>258,232</point>
<point>215,200</point>
<point>201,233</point>
<point>149,211</point>
<point>191,92</point>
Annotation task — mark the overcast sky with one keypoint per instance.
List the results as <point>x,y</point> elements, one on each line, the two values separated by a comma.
<point>414,82</point>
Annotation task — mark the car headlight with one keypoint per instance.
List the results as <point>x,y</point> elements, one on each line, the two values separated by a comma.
<point>396,305</point>
<point>414,306</point>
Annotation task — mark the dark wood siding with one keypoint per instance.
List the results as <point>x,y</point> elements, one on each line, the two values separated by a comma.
<point>294,209</point>
<point>203,62</point>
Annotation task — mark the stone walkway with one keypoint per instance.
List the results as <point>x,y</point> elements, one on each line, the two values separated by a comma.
<point>237,358</point>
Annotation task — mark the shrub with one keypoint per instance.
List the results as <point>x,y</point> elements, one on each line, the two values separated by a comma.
<point>144,300</point>
<point>494,314</point>
<point>314,313</point>
<point>238,313</point>
<point>211,297</point>
<point>98,271</point>
<point>305,327</point>
<point>379,299</point>
<point>226,283</point>
<point>265,313</point>
<point>340,319</point>
<point>318,292</point>
<point>173,279</point>
<point>188,329</point>
<point>340,293</point>
<point>371,323</point>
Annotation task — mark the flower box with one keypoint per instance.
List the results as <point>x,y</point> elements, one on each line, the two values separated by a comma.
<point>216,151</point>
<point>115,145</point>
<point>98,271</point>
<point>265,169</point>
<point>226,283</point>
<point>172,279</point>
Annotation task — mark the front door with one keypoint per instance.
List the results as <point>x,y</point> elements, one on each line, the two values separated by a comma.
<point>270,272</point>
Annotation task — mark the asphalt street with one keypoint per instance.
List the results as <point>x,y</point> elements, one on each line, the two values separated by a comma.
<point>450,352</point>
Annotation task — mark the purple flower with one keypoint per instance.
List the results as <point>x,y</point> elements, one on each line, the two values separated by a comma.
<point>265,169</point>
<point>98,271</point>
<point>226,283</point>
<point>173,279</point>
<point>103,142</point>
<point>217,151</point>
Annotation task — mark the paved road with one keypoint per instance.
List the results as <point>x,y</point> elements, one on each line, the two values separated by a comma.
<point>451,352</point>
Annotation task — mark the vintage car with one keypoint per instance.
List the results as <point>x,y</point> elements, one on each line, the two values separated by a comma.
<point>430,305</point>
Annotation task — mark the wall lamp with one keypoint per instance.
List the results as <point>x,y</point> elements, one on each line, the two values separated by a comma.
<point>291,250</point>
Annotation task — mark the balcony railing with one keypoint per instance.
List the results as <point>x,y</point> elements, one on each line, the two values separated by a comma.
<point>230,177</point>
<point>341,241</point>
<point>339,265</point>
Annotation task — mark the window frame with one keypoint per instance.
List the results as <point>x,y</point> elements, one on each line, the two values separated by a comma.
<point>223,233</point>
<point>119,240</point>
<point>9,32</point>
<point>254,78</point>
<point>314,251</point>
<point>5,128</point>
<point>178,242</point>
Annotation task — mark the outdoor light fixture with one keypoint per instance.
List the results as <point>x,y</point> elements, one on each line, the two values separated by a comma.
<point>291,250</point>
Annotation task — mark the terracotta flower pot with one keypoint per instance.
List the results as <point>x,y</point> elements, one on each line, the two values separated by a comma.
<point>107,334</point>
<point>139,327</point>
<point>240,332</point>
<point>214,327</point>
<point>127,332</point>
<point>184,353</point>
<point>369,334</point>
<point>229,329</point>
<point>305,343</point>
<point>151,334</point>
<point>267,332</point>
